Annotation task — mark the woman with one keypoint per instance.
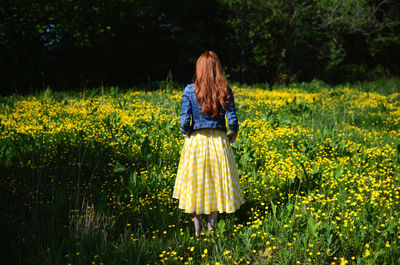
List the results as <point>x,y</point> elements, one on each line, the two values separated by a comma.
<point>207,181</point>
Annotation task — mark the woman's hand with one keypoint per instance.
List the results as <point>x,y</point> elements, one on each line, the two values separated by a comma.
<point>232,137</point>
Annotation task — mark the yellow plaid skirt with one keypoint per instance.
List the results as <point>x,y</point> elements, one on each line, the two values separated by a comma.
<point>207,178</point>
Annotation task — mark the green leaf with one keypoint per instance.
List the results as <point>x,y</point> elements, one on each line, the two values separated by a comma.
<point>379,253</point>
<point>119,168</point>
<point>315,168</point>
<point>133,178</point>
<point>221,227</point>
<point>273,207</point>
<point>312,227</point>
<point>339,171</point>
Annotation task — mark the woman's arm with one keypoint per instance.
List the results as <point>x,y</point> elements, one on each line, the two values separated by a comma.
<point>186,113</point>
<point>231,114</point>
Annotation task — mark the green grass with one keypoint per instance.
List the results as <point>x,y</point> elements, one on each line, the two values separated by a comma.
<point>87,178</point>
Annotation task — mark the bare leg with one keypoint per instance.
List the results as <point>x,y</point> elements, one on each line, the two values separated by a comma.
<point>212,220</point>
<point>197,223</point>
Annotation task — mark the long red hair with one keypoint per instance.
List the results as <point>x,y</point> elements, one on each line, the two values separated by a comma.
<point>210,84</point>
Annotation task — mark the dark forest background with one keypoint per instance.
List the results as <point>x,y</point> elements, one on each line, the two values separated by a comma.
<point>68,44</point>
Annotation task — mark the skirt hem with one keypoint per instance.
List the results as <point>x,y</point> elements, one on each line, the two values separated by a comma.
<point>208,212</point>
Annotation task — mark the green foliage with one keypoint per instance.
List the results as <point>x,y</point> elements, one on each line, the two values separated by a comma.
<point>300,40</point>
<point>87,44</point>
<point>88,178</point>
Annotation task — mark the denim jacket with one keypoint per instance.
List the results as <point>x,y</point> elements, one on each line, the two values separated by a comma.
<point>191,119</point>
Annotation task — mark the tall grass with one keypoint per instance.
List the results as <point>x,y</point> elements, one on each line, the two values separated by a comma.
<point>87,178</point>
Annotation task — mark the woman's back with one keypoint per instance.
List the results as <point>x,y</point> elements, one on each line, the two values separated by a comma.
<point>193,118</point>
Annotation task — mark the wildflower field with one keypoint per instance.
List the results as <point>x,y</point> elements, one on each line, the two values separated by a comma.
<point>87,178</point>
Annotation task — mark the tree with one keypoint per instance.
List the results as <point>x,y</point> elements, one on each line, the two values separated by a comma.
<point>283,41</point>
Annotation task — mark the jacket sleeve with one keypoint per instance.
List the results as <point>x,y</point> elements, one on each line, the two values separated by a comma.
<point>186,113</point>
<point>231,114</point>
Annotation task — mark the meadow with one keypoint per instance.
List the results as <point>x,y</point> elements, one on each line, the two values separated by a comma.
<point>87,178</point>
